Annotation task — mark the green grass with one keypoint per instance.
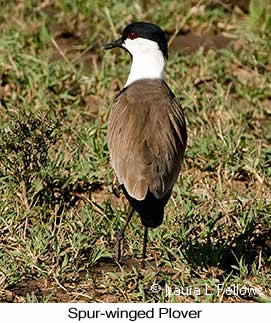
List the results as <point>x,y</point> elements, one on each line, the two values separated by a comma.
<point>61,206</point>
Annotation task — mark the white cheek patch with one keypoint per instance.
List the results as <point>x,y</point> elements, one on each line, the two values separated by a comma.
<point>148,60</point>
<point>140,46</point>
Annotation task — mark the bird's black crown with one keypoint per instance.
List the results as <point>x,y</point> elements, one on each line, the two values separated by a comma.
<point>148,31</point>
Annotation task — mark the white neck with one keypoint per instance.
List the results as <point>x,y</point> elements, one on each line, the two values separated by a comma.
<point>148,60</point>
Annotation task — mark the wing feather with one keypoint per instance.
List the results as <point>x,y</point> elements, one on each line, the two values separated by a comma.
<point>147,138</point>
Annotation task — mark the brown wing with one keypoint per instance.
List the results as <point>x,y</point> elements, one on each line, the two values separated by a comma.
<point>147,138</point>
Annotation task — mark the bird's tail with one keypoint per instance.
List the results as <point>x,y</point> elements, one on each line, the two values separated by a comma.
<point>151,209</point>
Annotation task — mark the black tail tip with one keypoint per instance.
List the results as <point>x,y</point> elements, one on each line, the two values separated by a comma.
<point>152,220</point>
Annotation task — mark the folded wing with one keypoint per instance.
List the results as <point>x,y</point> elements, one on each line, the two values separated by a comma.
<point>147,138</point>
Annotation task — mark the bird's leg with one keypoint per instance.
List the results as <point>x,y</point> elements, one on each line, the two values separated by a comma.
<point>144,246</point>
<point>120,236</point>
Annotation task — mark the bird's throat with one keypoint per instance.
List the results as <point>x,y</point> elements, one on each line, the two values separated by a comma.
<point>146,66</point>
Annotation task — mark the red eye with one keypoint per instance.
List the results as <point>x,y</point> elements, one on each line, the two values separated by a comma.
<point>132,35</point>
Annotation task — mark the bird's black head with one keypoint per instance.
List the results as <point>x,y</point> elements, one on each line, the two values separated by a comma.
<point>142,30</point>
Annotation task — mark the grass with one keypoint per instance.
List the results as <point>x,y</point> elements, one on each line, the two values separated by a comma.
<point>60,202</point>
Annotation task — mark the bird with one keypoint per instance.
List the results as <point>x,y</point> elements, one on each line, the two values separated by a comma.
<point>147,133</point>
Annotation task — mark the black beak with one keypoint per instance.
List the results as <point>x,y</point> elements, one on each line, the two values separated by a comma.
<point>114,44</point>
